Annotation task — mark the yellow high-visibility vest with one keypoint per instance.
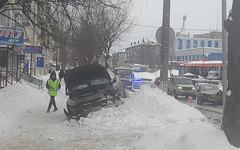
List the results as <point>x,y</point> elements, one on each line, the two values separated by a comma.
<point>54,85</point>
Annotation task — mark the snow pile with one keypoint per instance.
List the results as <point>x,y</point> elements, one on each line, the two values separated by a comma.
<point>149,119</point>
<point>194,136</point>
<point>147,107</point>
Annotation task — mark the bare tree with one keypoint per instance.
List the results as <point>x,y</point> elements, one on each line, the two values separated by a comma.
<point>231,116</point>
<point>100,27</point>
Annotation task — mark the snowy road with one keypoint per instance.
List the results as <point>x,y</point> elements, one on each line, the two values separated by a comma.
<point>211,111</point>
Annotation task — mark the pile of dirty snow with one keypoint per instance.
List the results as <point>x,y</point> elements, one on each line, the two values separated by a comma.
<point>148,119</point>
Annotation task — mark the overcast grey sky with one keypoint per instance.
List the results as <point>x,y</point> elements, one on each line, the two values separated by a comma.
<point>202,16</point>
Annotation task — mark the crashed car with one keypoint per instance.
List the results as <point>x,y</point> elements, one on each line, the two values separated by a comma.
<point>92,87</point>
<point>209,93</point>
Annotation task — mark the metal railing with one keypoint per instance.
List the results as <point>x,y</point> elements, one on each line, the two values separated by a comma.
<point>32,80</point>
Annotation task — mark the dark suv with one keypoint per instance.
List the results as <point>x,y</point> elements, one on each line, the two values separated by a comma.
<point>92,87</point>
<point>181,86</point>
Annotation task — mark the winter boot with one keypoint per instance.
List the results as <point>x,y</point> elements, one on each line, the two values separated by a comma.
<point>55,109</point>
<point>48,110</point>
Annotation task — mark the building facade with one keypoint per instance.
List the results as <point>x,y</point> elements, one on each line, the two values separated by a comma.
<point>206,46</point>
<point>120,59</point>
<point>145,54</point>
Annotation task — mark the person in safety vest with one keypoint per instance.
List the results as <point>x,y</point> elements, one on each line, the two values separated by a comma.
<point>53,85</point>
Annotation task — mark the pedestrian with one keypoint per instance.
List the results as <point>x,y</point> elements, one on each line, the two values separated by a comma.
<point>53,85</point>
<point>61,74</point>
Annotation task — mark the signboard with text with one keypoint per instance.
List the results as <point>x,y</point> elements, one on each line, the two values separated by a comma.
<point>32,49</point>
<point>10,36</point>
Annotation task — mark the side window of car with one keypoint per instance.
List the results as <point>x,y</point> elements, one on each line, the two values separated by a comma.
<point>111,74</point>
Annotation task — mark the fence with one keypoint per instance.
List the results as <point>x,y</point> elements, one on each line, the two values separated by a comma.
<point>32,80</point>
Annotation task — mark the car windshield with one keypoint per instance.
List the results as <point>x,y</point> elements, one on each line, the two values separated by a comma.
<point>183,81</point>
<point>126,83</point>
<point>124,73</point>
<point>209,87</point>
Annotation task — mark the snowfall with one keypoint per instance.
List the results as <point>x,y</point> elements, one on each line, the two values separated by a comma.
<point>148,120</point>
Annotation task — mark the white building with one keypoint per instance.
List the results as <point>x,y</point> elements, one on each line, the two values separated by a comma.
<point>205,46</point>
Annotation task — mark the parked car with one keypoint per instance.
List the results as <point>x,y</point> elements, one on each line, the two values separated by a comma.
<point>181,86</point>
<point>219,83</point>
<point>199,80</point>
<point>192,76</point>
<point>92,87</point>
<point>125,75</point>
<point>209,93</point>
<point>214,75</point>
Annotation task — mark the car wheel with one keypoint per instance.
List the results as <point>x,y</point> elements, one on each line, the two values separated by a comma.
<point>219,102</point>
<point>199,101</point>
<point>175,95</point>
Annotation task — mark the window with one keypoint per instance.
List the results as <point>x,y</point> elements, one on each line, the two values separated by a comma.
<point>195,44</point>
<point>202,43</point>
<point>188,44</point>
<point>180,43</point>
<point>216,44</point>
<point>210,43</point>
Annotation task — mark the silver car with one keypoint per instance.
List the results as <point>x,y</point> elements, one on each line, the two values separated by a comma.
<point>181,86</point>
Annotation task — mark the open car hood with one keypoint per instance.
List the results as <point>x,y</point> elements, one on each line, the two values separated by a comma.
<point>83,73</point>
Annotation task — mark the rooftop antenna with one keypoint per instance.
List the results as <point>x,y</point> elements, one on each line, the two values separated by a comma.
<point>183,26</point>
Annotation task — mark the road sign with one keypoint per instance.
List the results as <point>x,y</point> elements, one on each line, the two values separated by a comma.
<point>159,35</point>
<point>40,61</point>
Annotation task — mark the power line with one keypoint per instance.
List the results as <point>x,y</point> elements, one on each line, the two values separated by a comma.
<point>197,29</point>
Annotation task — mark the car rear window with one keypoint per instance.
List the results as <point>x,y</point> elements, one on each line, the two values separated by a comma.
<point>209,87</point>
<point>93,82</point>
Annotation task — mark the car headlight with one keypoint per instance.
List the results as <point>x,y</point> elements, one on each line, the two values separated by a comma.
<point>179,87</point>
<point>194,88</point>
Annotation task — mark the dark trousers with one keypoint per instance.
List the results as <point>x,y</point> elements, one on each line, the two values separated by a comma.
<point>52,102</point>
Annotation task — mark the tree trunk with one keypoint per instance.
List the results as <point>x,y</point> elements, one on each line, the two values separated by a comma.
<point>231,116</point>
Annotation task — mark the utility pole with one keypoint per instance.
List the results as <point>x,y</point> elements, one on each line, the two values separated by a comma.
<point>165,41</point>
<point>224,52</point>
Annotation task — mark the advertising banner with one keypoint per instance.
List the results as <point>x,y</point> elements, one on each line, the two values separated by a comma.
<point>10,36</point>
<point>32,49</point>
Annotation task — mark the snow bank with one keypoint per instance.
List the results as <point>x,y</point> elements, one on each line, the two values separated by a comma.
<point>148,119</point>
<point>194,136</point>
<point>147,107</point>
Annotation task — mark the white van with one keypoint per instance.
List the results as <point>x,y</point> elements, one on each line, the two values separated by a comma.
<point>214,75</point>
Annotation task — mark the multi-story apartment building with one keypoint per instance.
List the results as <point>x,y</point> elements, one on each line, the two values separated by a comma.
<point>146,53</point>
<point>120,59</point>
